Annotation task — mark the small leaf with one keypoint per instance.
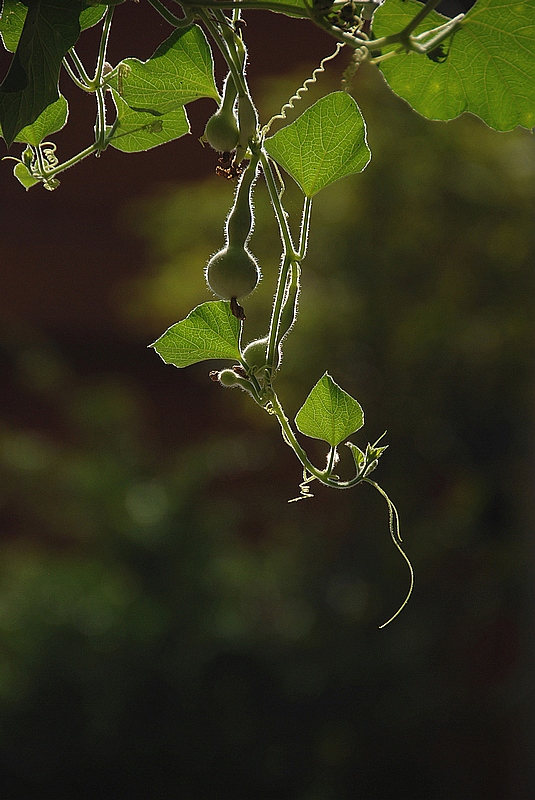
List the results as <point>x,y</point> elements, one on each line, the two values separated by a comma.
<point>24,176</point>
<point>329,413</point>
<point>326,143</point>
<point>209,331</point>
<point>181,70</point>
<point>11,23</point>
<point>139,130</point>
<point>51,27</point>
<point>50,121</point>
<point>487,67</point>
<point>358,456</point>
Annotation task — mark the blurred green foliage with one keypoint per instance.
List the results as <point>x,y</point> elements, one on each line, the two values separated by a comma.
<point>169,626</point>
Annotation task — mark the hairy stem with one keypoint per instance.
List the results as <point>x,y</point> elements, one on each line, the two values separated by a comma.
<point>103,46</point>
<point>74,78</point>
<point>273,338</point>
<point>232,58</point>
<point>305,227</point>
<point>280,213</point>
<point>84,77</point>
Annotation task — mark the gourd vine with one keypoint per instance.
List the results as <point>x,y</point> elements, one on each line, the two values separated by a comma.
<point>481,62</point>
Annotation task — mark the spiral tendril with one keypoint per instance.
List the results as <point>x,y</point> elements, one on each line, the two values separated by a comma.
<point>289,106</point>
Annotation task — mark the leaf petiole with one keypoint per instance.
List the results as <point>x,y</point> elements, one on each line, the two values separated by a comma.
<point>85,80</point>
<point>176,22</point>
<point>74,78</point>
<point>305,227</point>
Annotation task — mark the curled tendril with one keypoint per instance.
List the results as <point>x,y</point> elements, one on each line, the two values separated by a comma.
<point>304,488</point>
<point>48,150</point>
<point>289,106</point>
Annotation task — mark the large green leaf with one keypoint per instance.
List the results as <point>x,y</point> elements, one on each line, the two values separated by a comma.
<point>11,23</point>
<point>181,70</point>
<point>51,27</point>
<point>14,14</point>
<point>327,142</point>
<point>51,120</point>
<point>489,69</point>
<point>209,331</point>
<point>329,413</point>
<point>139,130</point>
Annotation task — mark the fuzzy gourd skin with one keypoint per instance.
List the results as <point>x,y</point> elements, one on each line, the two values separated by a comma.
<point>232,272</point>
<point>227,377</point>
<point>255,355</point>
<point>240,221</point>
<point>221,130</point>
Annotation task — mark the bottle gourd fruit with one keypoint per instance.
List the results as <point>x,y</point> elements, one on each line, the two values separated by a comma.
<point>221,130</point>
<point>233,272</point>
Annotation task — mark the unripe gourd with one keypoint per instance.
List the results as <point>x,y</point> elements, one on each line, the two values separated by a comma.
<point>255,354</point>
<point>233,272</point>
<point>221,130</point>
<point>227,377</point>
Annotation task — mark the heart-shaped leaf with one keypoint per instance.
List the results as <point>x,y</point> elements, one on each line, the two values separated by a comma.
<point>486,67</point>
<point>329,413</point>
<point>326,143</point>
<point>209,331</point>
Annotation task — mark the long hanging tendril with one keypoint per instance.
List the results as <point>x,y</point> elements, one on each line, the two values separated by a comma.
<point>396,538</point>
<point>289,106</point>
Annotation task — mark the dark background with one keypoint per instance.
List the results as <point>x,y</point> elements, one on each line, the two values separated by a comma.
<point>169,626</point>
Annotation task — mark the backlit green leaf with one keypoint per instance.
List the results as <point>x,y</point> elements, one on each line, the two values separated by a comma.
<point>329,413</point>
<point>358,456</point>
<point>326,143</point>
<point>488,69</point>
<point>90,16</point>
<point>209,331</point>
<point>293,8</point>
<point>24,176</point>
<point>51,27</point>
<point>181,70</point>
<point>11,23</point>
<point>50,121</point>
<point>139,130</point>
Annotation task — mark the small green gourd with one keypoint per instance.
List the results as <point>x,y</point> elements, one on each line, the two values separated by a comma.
<point>233,272</point>
<point>227,377</point>
<point>221,130</point>
<point>255,355</point>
